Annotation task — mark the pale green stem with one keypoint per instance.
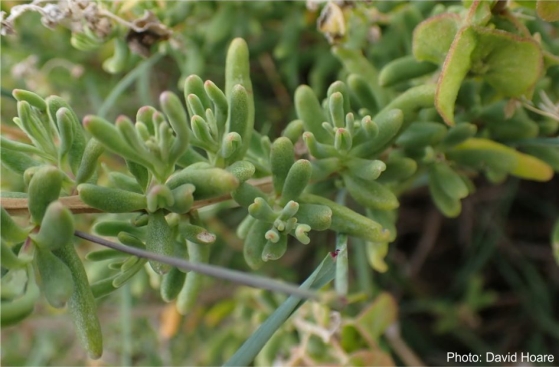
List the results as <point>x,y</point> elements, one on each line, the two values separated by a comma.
<point>235,276</point>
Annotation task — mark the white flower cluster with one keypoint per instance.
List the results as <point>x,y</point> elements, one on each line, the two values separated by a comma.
<point>74,14</point>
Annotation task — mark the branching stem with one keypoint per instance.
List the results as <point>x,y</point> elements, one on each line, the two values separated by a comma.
<point>19,206</point>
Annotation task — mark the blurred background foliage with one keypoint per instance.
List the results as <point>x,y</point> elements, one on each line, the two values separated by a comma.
<point>486,281</point>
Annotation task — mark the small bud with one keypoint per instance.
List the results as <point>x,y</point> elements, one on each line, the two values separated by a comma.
<point>342,140</point>
<point>319,150</point>
<point>289,210</point>
<point>272,235</point>
<point>261,210</point>
<point>232,143</point>
<point>159,196</point>
<point>275,250</point>
<point>369,127</point>
<point>301,233</point>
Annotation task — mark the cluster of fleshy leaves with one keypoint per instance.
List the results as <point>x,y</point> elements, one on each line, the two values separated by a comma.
<point>446,131</point>
<point>363,138</point>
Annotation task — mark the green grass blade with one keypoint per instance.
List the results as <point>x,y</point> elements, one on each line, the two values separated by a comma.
<point>125,82</point>
<point>322,275</point>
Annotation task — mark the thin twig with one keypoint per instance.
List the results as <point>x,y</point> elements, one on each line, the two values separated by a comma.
<point>235,276</point>
<point>432,228</point>
<point>267,63</point>
<point>406,354</point>
<point>19,206</point>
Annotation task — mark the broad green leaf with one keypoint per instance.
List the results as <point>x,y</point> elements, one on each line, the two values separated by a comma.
<point>432,38</point>
<point>480,13</point>
<point>509,63</point>
<point>455,67</point>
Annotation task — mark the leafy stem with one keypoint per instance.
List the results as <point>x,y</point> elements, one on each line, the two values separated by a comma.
<point>19,206</point>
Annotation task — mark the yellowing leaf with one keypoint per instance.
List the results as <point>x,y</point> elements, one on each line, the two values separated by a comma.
<point>548,10</point>
<point>517,164</point>
<point>373,321</point>
<point>370,358</point>
<point>531,168</point>
<point>376,252</point>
